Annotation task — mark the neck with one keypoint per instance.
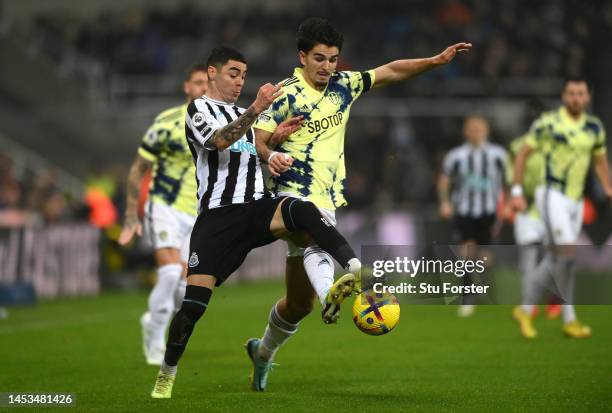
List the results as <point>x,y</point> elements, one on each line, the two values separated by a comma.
<point>476,144</point>
<point>213,92</point>
<point>573,115</point>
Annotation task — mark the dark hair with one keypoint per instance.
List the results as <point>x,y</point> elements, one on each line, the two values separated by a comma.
<point>315,30</point>
<point>200,67</point>
<point>220,55</point>
<point>576,79</point>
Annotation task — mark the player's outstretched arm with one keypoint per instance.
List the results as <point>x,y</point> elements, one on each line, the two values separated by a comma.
<point>400,70</point>
<point>518,201</point>
<point>600,164</point>
<point>224,137</point>
<point>131,224</point>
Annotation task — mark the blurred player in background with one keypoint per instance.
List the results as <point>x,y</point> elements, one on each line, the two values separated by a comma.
<point>169,212</point>
<point>315,168</point>
<point>570,139</point>
<point>529,230</point>
<point>472,180</point>
<point>236,214</point>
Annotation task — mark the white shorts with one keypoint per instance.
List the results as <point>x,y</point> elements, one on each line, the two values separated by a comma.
<point>562,216</point>
<point>528,229</point>
<point>165,227</point>
<point>294,250</point>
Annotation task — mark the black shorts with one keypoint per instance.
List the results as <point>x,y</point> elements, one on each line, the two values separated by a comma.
<point>222,237</point>
<point>475,229</point>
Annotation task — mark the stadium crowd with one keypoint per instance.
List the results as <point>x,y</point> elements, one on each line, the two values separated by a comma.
<point>143,41</point>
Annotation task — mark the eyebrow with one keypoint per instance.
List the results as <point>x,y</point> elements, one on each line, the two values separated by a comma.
<point>235,68</point>
<point>322,55</point>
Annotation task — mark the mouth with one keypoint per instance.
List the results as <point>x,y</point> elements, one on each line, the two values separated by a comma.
<point>323,74</point>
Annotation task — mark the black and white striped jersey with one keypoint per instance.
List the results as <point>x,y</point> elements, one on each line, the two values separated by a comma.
<point>231,176</point>
<point>477,176</point>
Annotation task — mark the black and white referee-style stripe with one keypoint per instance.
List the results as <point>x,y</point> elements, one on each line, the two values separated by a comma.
<point>232,176</point>
<point>477,176</point>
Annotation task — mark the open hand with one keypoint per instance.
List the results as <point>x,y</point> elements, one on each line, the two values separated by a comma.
<point>131,227</point>
<point>266,95</point>
<point>286,129</point>
<point>450,52</point>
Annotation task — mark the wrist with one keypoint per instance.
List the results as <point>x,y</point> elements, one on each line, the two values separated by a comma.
<point>516,190</point>
<point>256,108</point>
<point>272,155</point>
<point>434,60</point>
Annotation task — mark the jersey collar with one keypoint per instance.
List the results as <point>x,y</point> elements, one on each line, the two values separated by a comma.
<point>218,102</point>
<point>567,117</point>
<point>299,73</point>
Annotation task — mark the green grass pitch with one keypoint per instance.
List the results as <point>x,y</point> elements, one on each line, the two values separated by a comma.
<point>432,361</point>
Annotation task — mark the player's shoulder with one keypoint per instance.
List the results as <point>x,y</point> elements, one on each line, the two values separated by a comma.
<point>289,83</point>
<point>497,149</point>
<point>456,151</point>
<point>171,114</point>
<point>593,123</point>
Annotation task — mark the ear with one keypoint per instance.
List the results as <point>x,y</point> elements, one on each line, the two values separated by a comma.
<point>186,87</point>
<point>211,72</point>
<point>302,57</point>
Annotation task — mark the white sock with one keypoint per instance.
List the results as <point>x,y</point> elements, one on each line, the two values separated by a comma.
<point>319,267</point>
<point>527,308</point>
<point>168,369</point>
<point>277,332</point>
<point>161,301</point>
<point>179,293</point>
<point>569,314</point>
<point>354,267</point>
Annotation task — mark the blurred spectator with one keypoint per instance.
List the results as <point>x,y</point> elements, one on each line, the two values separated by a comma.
<point>31,198</point>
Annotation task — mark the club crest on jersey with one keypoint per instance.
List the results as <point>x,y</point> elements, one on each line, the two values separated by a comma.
<point>198,119</point>
<point>334,97</point>
<point>193,260</point>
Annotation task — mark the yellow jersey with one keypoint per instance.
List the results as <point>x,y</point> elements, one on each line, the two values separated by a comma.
<point>567,145</point>
<point>318,172</point>
<point>165,145</point>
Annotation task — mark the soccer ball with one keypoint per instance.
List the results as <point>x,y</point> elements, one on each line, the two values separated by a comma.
<point>376,313</point>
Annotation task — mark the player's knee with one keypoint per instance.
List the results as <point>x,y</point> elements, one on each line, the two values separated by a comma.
<point>297,213</point>
<point>195,302</point>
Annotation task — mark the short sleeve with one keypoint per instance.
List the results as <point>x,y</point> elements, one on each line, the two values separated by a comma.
<point>270,118</point>
<point>359,82</point>
<point>153,141</point>
<point>600,141</point>
<point>536,133</point>
<point>200,125</point>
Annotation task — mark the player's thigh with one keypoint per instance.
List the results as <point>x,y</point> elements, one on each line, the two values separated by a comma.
<point>528,229</point>
<point>163,226</point>
<point>219,242</point>
<point>577,218</point>
<point>556,214</point>
<point>167,255</point>
<point>483,229</point>
<point>186,226</point>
